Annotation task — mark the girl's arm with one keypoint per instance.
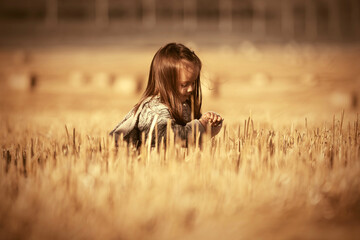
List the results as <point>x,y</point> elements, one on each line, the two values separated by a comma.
<point>213,120</point>
<point>180,131</point>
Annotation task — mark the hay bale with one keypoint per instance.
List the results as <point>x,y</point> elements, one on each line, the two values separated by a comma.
<point>101,80</point>
<point>78,79</point>
<point>21,57</point>
<point>126,85</point>
<point>141,80</point>
<point>260,79</point>
<point>226,50</point>
<point>22,81</point>
<point>343,100</point>
<point>249,50</point>
<point>292,55</point>
<point>309,79</point>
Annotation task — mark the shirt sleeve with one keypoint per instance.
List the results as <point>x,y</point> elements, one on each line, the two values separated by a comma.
<point>163,116</point>
<point>127,116</point>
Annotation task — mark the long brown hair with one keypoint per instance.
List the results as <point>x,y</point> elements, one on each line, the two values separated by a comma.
<point>164,74</point>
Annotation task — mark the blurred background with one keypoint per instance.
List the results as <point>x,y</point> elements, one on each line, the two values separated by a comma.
<point>278,60</point>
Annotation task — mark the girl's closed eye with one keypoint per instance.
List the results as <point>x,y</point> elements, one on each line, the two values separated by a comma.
<point>188,84</point>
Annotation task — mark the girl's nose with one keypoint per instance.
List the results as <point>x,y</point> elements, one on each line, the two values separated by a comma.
<point>190,89</point>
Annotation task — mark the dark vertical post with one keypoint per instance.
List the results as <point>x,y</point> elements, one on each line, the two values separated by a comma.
<point>225,20</point>
<point>287,18</point>
<point>149,13</point>
<point>259,21</point>
<point>334,25</point>
<point>190,15</point>
<point>177,14</point>
<point>311,20</point>
<point>102,12</point>
<point>51,18</point>
<point>355,17</point>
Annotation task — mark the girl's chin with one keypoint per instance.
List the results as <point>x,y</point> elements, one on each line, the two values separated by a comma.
<point>184,99</point>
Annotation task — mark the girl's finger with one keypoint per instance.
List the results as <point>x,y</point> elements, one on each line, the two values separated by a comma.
<point>217,124</point>
<point>212,117</point>
<point>208,115</point>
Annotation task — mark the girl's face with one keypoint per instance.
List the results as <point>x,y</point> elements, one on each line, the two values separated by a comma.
<point>186,82</point>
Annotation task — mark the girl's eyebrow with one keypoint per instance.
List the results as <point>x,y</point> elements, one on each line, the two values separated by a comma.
<point>192,78</point>
<point>188,81</point>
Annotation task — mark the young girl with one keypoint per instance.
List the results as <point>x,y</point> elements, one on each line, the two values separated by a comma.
<point>173,94</point>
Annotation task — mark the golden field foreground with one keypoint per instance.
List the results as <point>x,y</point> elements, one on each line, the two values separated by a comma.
<point>61,177</point>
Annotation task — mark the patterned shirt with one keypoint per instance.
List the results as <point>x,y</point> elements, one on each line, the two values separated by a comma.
<point>150,112</point>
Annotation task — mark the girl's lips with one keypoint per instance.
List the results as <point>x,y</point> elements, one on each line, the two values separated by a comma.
<point>186,97</point>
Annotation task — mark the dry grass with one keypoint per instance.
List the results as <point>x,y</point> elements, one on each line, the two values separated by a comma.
<point>248,182</point>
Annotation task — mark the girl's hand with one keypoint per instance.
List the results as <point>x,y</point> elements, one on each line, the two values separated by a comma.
<point>214,119</point>
<point>204,121</point>
<point>211,118</point>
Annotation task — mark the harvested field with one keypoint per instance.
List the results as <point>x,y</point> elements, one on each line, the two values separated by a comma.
<point>286,165</point>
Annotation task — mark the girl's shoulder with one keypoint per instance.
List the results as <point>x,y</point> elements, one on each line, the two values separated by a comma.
<point>152,108</point>
<point>154,104</point>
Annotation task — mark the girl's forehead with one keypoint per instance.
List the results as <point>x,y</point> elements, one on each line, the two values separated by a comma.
<point>189,68</point>
<point>187,75</point>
